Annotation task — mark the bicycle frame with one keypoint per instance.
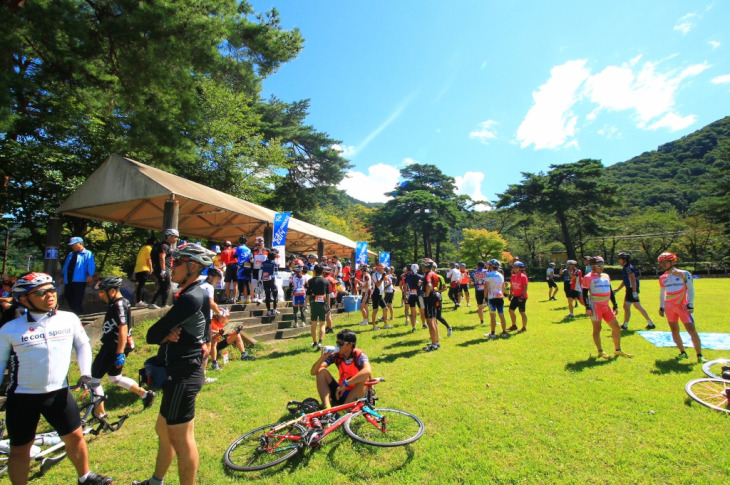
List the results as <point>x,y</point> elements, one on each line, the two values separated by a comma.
<point>362,404</point>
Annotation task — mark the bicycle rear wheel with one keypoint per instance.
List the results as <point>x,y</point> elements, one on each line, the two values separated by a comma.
<point>713,368</point>
<point>713,393</point>
<point>384,427</point>
<point>263,447</point>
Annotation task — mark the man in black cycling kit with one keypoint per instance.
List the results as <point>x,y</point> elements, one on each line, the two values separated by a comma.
<point>38,346</point>
<point>181,335</point>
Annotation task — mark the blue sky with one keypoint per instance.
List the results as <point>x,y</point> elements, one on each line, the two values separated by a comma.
<point>485,90</point>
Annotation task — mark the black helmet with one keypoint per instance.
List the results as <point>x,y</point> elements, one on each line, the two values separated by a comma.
<point>108,283</point>
<point>624,255</point>
<point>242,239</point>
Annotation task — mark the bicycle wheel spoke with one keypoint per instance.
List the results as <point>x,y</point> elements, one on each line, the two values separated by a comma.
<point>712,393</point>
<point>384,427</point>
<point>262,448</point>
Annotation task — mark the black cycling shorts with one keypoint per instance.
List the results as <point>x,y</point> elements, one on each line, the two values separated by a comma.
<point>104,362</point>
<point>23,411</point>
<point>464,288</point>
<point>231,273</point>
<point>378,301</point>
<point>480,297</point>
<point>517,303</point>
<point>389,297</point>
<point>629,298</point>
<point>184,382</point>
<point>552,284</point>
<point>431,304</point>
<point>413,301</point>
<point>333,394</point>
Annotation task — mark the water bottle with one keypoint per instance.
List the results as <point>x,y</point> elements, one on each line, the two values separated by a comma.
<point>330,348</point>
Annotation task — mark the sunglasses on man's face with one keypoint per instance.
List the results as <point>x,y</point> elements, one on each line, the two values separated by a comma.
<point>42,293</point>
<point>598,265</point>
<point>179,262</point>
<point>340,343</point>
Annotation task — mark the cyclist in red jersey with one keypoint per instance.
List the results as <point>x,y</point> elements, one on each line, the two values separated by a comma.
<point>677,302</point>
<point>464,283</point>
<point>598,293</point>
<point>431,285</point>
<point>228,258</point>
<point>518,296</point>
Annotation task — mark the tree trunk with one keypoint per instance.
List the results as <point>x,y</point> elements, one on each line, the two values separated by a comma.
<point>415,246</point>
<point>438,251</point>
<point>567,240</point>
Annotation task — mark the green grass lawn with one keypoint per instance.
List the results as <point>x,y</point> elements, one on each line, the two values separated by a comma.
<point>534,408</point>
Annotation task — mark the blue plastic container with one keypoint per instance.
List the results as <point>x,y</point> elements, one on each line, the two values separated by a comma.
<point>352,303</point>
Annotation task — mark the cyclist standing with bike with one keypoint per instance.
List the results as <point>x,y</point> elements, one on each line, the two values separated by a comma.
<point>38,346</point>
<point>115,338</point>
<point>353,367</point>
<point>181,335</point>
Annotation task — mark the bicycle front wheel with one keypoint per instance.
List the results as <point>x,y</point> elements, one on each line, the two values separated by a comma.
<point>263,447</point>
<point>713,368</point>
<point>713,393</point>
<point>384,427</point>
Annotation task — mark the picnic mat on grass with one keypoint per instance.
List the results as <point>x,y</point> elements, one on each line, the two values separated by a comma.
<point>713,341</point>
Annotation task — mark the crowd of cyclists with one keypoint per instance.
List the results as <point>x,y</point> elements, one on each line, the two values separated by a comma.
<point>36,338</point>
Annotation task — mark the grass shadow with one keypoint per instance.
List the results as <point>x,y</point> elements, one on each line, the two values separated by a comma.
<point>403,344</point>
<point>672,366</point>
<point>370,463</point>
<point>565,319</point>
<point>393,357</point>
<point>393,332</point>
<point>474,342</point>
<point>581,365</point>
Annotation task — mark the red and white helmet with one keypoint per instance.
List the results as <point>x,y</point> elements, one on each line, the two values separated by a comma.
<point>667,257</point>
<point>30,281</point>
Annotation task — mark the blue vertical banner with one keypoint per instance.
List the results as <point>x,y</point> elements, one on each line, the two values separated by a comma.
<point>385,258</point>
<point>278,238</point>
<point>361,252</point>
<point>281,225</point>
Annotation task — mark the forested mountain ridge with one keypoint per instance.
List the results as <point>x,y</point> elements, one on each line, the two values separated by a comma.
<point>679,174</point>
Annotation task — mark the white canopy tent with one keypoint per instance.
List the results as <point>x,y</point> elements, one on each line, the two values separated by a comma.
<point>132,193</point>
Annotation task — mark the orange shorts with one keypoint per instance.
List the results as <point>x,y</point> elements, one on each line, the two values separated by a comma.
<point>602,312</point>
<point>675,313</point>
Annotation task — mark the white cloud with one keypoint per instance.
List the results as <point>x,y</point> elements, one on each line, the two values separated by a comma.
<point>673,121</point>
<point>485,132</point>
<point>724,79</point>
<point>641,88</point>
<point>610,132</point>
<point>550,123</point>
<point>347,151</point>
<point>715,44</point>
<point>471,184</point>
<point>685,23</point>
<point>371,187</point>
<point>648,92</point>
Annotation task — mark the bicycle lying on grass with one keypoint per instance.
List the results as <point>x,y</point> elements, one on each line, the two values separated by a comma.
<point>54,453</point>
<point>714,391</point>
<point>275,443</point>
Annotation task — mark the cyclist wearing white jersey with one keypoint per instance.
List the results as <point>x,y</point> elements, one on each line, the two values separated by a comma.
<point>38,346</point>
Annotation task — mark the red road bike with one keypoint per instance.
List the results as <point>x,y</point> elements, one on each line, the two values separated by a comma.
<point>272,444</point>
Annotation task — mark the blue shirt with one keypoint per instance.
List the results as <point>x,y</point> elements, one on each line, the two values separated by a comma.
<point>628,269</point>
<point>85,266</point>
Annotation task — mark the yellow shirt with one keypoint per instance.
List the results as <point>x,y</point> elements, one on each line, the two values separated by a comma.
<point>142,258</point>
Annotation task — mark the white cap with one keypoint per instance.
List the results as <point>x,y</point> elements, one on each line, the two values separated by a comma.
<point>414,268</point>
